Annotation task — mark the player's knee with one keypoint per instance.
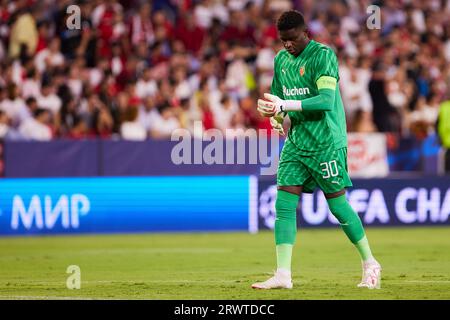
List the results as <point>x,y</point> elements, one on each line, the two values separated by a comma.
<point>286,205</point>
<point>342,210</point>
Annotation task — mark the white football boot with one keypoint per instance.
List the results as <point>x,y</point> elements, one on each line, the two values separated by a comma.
<point>371,277</point>
<point>280,280</point>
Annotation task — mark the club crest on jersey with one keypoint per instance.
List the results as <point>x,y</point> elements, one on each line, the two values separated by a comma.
<point>302,70</point>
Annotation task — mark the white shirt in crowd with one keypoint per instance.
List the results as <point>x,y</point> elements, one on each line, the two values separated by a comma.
<point>183,90</point>
<point>223,116</point>
<point>31,88</point>
<point>15,109</point>
<point>236,78</point>
<point>50,102</point>
<point>116,65</point>
<point>76,87</point>
<point>146,88</point>
<point>447,50</point>
<point>205,14</point>
<point>55,59</point>
<point>165,127</point>
<point>355,93</point>
<point>95,76</point>
<point>133,131</point>
<point>148,118</point>
<point>265,65</point>
<point>33,129</point>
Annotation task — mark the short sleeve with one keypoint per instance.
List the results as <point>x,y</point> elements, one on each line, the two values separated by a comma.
<point>326,64</point>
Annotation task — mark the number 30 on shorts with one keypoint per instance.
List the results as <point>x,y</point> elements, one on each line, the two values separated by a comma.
<point>329,169</point>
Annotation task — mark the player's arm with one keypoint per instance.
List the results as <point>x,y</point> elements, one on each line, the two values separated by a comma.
<point>326,77</point>
<point>324,101</point>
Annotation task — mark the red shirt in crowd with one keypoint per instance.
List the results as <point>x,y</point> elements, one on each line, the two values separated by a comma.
<point>191,36</point>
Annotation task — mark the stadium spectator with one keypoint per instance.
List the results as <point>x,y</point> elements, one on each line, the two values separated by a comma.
<point>190,34</point>
<point>104,123</point>
<point>4,125</point>
<point>148,115</point>
<point>444,132</point>
<point>131,128</point>
<point>223,112</point>
<point>48,99</point>
<point>14,106</point>
<point>128,52</point>
<point>362,122</point>
<point>79,129</point>
<point>32,106</point>
<point>354,88</point>
<point>168,123</point>
<point>23,30</point>
<point>38,126</point>
<point>31,86</point>
<point>423,119</point>
<point>146,86</point>
<point>386,117</point>
<point>50,57</point>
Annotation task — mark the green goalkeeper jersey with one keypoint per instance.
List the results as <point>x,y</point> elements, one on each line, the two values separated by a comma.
<point>295,78</point>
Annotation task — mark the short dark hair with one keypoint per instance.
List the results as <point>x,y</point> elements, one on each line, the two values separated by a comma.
<point>290,20</point>
<point>39,111</point>
<point>30,100</point>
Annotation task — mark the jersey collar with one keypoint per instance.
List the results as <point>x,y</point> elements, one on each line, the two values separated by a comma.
<point>307,48</point>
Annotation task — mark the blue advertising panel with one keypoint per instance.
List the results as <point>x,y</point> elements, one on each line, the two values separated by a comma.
<point>59,158</point>
<point>379,202</point>
<point>138,204</point>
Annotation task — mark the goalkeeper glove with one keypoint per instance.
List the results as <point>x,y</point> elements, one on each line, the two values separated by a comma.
<point>277,124</point>
<point>276,105</point>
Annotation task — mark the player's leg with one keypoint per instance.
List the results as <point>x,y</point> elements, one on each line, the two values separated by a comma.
<point>353,228</point>
<point>291,174</point>
<point>285,234</point>
<point>350,222</point>
<point>331,175</point>
<point>286,225</point>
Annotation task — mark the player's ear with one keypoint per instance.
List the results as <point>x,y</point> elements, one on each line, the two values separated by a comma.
<point>305,33</point>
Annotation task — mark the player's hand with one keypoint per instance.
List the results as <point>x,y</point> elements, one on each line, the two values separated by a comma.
<point>277,124</point>
<point>270,107</point>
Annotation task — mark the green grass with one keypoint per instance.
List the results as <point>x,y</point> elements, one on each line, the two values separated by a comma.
<point>416,265</point>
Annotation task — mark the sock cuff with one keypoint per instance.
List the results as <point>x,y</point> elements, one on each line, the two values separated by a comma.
<point>287,196</point>
<point>338,201</point>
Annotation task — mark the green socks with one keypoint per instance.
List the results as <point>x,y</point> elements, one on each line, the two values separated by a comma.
<point>285,228</point>
<point>364,249</point>
<point>351,224</point>
<point>284,256</point>
<point>286,221</point>
<point>349,220</point>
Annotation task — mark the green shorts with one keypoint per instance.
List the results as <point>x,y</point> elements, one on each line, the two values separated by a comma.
<point>327,170</point>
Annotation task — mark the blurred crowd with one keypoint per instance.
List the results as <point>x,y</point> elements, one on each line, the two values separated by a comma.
<point>139,69</point>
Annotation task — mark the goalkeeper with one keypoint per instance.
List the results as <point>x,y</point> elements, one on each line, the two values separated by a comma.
<point>305,87</point>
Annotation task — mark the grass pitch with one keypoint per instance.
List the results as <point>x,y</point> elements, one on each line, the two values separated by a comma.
<point>416,265</point>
